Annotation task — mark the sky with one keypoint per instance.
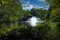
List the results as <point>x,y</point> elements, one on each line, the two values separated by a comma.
<point>29,4</point>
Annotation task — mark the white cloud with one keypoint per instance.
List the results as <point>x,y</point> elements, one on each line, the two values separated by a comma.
<point>38,7</point>
<point>31,6</point>
<point>28,7</point>
<point>42,0</point>
<point>25,4</point>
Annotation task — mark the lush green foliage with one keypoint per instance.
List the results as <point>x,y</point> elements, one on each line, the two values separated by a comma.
<point>11,14</point>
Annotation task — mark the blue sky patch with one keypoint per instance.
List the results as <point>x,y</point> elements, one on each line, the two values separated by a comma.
<point>29,4</point>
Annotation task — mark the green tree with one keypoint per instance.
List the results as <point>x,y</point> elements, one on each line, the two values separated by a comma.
<point>54,10</point>
<point>55,16</point>
<point>10,13</point>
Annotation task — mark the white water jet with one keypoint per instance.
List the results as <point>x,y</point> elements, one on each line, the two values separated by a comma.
<point>33,21</point>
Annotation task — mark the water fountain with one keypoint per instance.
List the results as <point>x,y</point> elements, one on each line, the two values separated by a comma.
<point>33,21</point>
